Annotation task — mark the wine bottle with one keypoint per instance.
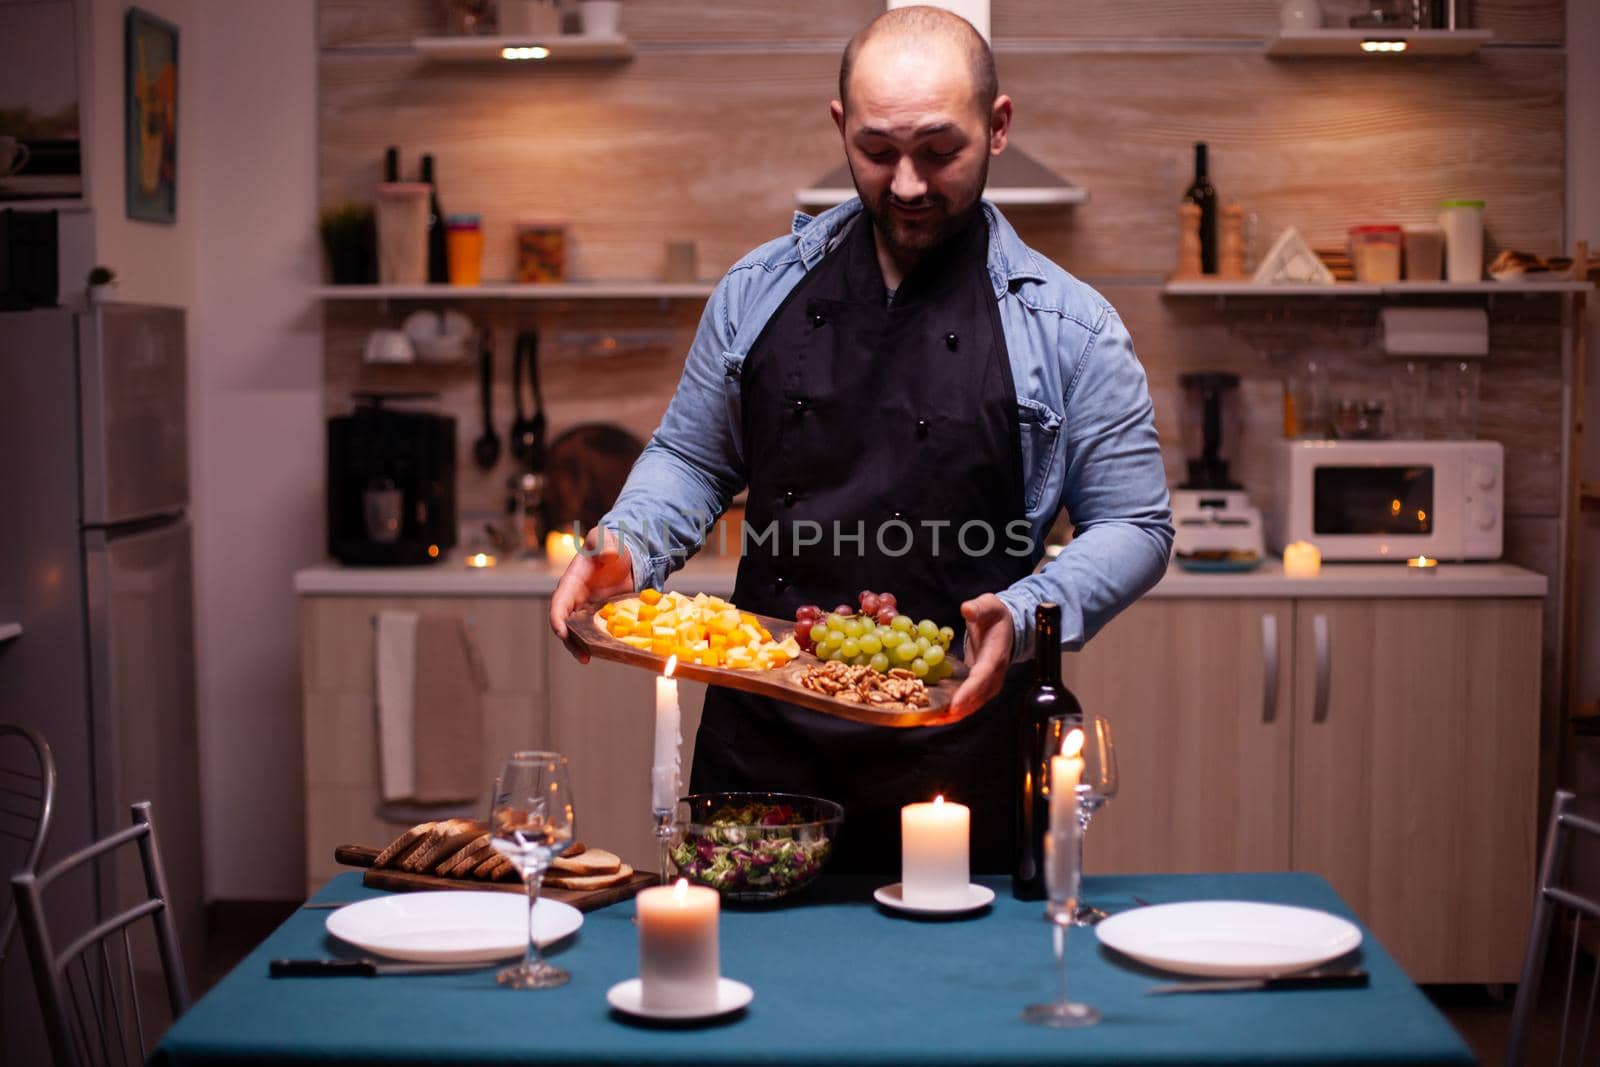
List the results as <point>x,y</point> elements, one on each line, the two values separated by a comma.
<point>438,257</point>
<point>1045,698</point>
<point>391,164</point>
<point>1202,194</point>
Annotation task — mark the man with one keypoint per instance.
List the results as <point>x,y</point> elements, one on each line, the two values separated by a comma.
<point>904,374</point>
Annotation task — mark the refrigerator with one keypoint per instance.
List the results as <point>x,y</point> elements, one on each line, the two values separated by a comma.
<point>96,568</point>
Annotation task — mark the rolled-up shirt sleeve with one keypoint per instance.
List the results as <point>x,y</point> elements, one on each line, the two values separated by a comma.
<point>1114,490</point>
<point>691,468</point>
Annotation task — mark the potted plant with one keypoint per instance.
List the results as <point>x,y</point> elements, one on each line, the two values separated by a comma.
<point>102,284</point>
<point>350,238</point>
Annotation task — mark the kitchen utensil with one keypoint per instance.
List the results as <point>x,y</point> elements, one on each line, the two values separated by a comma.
<point>403,233</point>
<point>530,823</point>
<point>1462,221</point>
<point>755,847</point>
<point>388,346</point>
<point>362,968</point>
<point>439,337</point>
<point>1229,938</point>
<point>1317,978</point>
<point>486,449</point>
<point>451,927</point>
<point>528,433</point>
<point>588,465</point>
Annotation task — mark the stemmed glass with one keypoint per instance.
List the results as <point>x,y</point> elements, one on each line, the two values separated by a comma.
<point>1097,785</point>
<point>530,823</point>
<point>1063,880</point>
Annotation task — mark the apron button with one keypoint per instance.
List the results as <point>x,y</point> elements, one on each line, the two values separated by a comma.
<point>799,407</point>
<point>922,427</point>
<point>780,581</point>
<point>788,498</point>
<point>818,319</point>
<point>951,341</point>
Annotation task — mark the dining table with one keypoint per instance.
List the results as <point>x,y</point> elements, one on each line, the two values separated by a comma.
<point>837,979</point>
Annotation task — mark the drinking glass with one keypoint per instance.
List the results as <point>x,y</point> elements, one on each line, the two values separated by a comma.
<point>1063,879</point>
<point>531,823</point>
<point>1097,785</point>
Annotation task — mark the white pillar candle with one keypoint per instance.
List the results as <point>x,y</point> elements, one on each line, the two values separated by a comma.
<point>664,785</point>
<point>678,961</point>
<point>934,868</point>
<point>1066,771</point>
<point>560,547</point>
<point>1301,560</point>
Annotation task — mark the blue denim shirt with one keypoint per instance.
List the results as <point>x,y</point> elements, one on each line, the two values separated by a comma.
<point>1088,429</point>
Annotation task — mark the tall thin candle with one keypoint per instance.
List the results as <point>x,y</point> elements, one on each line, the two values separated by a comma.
<point>664,786</point>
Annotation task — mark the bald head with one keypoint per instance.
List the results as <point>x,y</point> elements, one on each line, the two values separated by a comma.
<point>930,32</point>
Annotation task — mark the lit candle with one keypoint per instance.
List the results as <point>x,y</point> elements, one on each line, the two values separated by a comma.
<point>560,547</point>
<point>934,868</point>
<point>664,772</point>
<point>480,560</point>
<point>1301,560</point>
<point>678,963</point>
<point>1423,564</point>
<point>1066,770</point>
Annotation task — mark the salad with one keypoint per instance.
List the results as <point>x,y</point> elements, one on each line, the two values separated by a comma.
<point>752,850</point>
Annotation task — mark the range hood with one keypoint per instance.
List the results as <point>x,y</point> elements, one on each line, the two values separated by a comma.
<point>1015,178</point>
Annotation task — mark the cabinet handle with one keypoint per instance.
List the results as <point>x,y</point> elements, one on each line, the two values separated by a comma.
<point>1322,641</point>
<point>1269,667</point>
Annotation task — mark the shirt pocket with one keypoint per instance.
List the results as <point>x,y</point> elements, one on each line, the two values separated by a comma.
<point>1038,427</point>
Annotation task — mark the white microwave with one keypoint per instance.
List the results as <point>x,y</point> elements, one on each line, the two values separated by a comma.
<point>1378,500</point>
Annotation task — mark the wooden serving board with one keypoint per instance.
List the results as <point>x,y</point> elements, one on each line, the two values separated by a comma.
<point>409,882</point>
<point>783,683</point>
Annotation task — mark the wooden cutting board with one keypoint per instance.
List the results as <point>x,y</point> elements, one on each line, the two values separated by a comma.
<point>408,882</point>
<point>782,683</point>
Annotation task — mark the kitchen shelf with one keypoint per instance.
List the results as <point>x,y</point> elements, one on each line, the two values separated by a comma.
<point>1491,288</point>
<point>511,291</point>
<point>1035,196</point>
<point>1347,43</point>
<point>8,630</point>
<point>559,48</point>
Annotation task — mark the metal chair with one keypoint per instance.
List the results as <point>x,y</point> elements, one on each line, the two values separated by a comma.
<point>27,794</point>
<point>90,989</point>
<point>1555,898</point>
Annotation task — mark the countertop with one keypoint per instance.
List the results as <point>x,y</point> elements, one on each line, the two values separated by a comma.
<point>535,578</point>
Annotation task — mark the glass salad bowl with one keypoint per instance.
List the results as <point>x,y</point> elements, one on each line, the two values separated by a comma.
<point>754,847</point>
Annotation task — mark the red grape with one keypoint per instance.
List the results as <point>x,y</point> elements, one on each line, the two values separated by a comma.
<point>869,603</point>
<point>808,611</point>
<point>802,630</point>
<point>885,615</point>
<point>844,609</point>
<point>887,600</point>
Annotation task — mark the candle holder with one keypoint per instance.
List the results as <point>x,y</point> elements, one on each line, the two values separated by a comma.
<point>1063,873</point>
<point>664,807</point>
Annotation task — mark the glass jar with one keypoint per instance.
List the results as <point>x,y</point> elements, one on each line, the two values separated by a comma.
<point>1375,253</point>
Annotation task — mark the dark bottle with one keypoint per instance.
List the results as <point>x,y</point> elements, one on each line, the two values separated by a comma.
<point>391,164</point>
<point>438,258</point>
<point>1047,697</point>
<point>1203,194</point>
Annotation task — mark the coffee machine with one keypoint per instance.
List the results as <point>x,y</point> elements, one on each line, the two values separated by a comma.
<point>391,483</point>
<point>1216,526</point>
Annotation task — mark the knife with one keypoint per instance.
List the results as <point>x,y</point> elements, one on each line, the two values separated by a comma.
<point>363,968</point>
<point>1340,978</point>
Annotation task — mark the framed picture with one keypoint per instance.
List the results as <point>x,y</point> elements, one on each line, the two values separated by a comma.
<point>151,117</point>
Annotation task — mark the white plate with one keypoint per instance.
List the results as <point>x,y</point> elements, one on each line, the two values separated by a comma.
<point>1229,938</point>
<point>978,896</point>
<point>627,997</point>
<point>451,926</point>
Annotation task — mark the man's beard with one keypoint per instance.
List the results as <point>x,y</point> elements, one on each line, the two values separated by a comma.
<point>909,240</point>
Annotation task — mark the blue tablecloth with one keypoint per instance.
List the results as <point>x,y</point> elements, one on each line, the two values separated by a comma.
<point>837,981</point>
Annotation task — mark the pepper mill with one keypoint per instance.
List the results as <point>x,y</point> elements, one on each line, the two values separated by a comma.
<point>1230,255</point>
<point>1188,242</point>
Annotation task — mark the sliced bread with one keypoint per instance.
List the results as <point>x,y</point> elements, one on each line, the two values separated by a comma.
<point>589,862</point>
<point>557,880</point>
<point>459,864</point>
<point>445,838</point>
<point>403,845</point>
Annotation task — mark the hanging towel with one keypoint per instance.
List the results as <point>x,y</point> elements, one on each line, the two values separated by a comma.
<point>447,726</point>
<point>395,663</point>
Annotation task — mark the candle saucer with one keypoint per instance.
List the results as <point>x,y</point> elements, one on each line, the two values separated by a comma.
<point>978,896</point>
<point>628,998</point>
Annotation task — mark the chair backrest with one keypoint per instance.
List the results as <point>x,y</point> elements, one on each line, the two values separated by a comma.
<point>1557,899</point>
<point>90,988</point>
<point>27,793</point>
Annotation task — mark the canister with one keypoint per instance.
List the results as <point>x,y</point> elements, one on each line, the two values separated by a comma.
<point>541,251</point>
<point>1424,252</point>
<point>403,232</point>
<point>1375,253</point>
<point>464,246</point>
<point>1463,239</point>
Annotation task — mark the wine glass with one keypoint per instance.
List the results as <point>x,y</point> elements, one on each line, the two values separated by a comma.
<point>1063,879</point>
<point>530,823</point>
<point>1096,786</point>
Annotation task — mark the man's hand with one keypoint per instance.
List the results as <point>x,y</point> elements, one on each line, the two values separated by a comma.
<point>603,569</point>
<point>988,654</point>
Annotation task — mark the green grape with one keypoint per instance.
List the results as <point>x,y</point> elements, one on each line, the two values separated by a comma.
<point>903,623</point>
<point>879,662</point>
<point>946,635</point>
<point>934,655</point>
<point>854,628</point>
<point>828,649</point>
<point>890,638</point>
<point>871,644</point>
<point>941,670</point>
<point>919,667</point>
<point>923,644</point>
<point>833,622</point>
<point>820,634</point>
<point>927,628</point>
<point>905,652</point>
<point>850,648</point>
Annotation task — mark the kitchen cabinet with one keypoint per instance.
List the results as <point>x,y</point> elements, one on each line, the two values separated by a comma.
<point>1389,745</point>
<point>537,696</point>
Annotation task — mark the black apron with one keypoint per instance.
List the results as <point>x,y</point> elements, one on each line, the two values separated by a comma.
<point>874,419</point>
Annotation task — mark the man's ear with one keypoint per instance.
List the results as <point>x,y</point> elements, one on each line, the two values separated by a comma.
<point>999,124</point>
<point>836,109</point>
